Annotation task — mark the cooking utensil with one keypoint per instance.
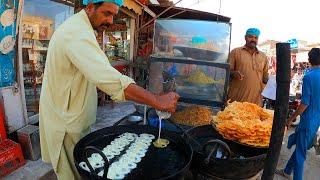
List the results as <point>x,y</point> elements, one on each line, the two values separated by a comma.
<point>199,54</point>
<point>135,118</point>
<point>171,162</point>
<point>163,114</point>
<point>242,163</point>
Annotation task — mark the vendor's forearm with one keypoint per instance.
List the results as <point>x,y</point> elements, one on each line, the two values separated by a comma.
<point>140,95</point>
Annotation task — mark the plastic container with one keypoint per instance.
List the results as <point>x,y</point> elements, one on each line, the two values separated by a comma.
<point>11,157</point>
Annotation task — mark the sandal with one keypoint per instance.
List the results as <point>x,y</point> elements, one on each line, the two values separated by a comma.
<point>282,173</point>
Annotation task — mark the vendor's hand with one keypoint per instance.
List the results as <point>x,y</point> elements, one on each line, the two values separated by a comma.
<point>237,75</point>
<point>167,102</point>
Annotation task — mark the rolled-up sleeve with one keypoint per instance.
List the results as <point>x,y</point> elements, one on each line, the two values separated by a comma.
<point>232,60</point>
<point>91,61</point>
<point>265,71</point>
<point>306,91</point>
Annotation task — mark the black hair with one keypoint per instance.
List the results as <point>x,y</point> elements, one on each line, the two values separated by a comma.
<point>314,56</point>
<point>97,5</point>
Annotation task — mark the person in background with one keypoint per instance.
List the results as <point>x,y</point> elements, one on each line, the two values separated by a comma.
<point>249,70</point>
<point>75,66</point>
<point>309,111</point>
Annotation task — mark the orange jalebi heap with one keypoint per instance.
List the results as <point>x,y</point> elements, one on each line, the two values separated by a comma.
<point>246,123</point>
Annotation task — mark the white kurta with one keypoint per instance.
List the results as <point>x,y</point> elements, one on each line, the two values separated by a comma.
<point>75,66</point>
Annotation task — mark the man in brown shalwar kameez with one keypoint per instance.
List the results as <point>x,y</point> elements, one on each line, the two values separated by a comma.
<point>249,70</point>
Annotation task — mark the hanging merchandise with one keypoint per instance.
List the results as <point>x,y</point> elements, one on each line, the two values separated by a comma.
<point>7,44</point>
<point>6,71</point>
<point>7,18</point>
<point>8,14</point>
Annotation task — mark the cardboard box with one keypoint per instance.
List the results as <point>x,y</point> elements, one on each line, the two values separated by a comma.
<point>13,110</point>
<point>11,157</point>
<point>30,142</point>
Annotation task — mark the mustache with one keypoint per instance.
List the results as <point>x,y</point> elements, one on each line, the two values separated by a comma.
<point>253,42</point>
<point>103,27</point>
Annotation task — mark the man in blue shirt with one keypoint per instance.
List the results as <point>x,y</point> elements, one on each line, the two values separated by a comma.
<point>310,118</point>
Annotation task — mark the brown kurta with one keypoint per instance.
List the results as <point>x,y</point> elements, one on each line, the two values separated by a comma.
<point>254,67</point>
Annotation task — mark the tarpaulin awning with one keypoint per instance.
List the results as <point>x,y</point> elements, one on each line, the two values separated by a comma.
<point>133,5</point>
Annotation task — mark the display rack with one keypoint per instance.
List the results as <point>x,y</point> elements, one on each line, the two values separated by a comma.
<point>36,35</point>
<point>33,65</point>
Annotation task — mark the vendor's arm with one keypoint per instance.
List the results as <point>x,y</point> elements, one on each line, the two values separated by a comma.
<point>234,74</point>
<point>165,102</point>
<point>305,100</point>
<point>91,61</point>
<point>265,76</point>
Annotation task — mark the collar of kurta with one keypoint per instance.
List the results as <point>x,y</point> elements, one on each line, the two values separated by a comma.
<point>85,17</point>
<point>247,49</point>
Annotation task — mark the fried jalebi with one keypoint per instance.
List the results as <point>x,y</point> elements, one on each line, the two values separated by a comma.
<point>193,116</point>
<point>246,123</point>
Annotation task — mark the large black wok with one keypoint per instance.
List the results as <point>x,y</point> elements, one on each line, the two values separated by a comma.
<point>197,53</point>
<point>236,161</point>
<point>171,162</point>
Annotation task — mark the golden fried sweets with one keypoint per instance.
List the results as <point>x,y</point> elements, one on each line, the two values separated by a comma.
<point>246,123</point>
<point>161,143</point>
<point>193,116</point>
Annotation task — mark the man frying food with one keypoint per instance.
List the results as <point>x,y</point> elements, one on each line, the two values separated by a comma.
<point>75,67</point>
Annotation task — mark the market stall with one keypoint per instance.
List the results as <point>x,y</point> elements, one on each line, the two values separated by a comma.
<point>190,58</point>
<point>39,21</point>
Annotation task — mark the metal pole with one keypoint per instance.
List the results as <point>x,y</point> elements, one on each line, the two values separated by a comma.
<point>281,109</point>
<point>145,115</point>
<point>157,16</point>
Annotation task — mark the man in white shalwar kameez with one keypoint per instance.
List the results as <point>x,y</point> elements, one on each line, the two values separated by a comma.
<point>75,67</point>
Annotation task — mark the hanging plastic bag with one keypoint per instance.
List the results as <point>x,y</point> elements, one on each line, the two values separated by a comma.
<point>316,143</point>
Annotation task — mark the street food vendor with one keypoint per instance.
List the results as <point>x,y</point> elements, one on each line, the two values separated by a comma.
<point>75,67</point>
<point>249,70</point>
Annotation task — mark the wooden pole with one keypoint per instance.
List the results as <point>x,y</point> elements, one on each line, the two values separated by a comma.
<point>281,109</point>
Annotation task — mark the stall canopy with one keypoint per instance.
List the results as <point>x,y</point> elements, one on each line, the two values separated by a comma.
<point>133,5</point>
<point>184,13</point>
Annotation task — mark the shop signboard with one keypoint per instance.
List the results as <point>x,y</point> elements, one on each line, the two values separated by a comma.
<point>293,43</point>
